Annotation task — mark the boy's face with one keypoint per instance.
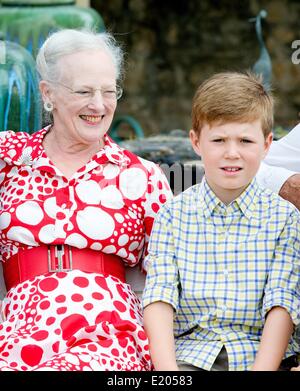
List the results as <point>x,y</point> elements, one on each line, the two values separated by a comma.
<point>231,154</point>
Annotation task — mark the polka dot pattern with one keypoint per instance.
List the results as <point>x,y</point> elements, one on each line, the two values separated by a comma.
<point>76,320</point>
<point>78,336</point>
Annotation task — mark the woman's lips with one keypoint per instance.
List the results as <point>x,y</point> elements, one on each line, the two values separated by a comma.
<point>94,119</point>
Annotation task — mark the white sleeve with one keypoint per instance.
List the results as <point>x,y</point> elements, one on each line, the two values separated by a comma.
<point>272,177</point>
<point>281,162</point>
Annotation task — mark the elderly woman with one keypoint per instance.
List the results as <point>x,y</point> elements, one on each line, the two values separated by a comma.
<point>75,210</point>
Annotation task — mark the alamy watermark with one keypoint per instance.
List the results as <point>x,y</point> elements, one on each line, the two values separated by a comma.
<point>296,54</point>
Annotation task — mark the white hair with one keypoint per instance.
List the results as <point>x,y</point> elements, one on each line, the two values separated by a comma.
<point>69,41</point>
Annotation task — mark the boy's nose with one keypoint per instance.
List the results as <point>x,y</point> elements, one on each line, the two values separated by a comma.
<point>232,151</point>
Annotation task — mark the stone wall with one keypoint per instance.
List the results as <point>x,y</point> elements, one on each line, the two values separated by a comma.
<point>174,45</point>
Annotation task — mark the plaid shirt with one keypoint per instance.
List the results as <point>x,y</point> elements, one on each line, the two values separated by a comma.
<point>223,268</point>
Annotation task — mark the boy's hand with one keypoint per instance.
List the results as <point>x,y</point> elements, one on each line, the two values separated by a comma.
<point>296,368</point>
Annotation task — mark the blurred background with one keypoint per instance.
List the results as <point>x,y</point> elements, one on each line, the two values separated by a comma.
<point>172,46</point>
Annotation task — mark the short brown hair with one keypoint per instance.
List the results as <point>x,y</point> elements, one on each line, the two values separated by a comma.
<point>232,96</point>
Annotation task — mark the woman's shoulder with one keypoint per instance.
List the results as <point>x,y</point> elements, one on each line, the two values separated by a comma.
<point>137,160</point>
<point>13,144</point>
<point>6,134</point>
<point>11,136</point>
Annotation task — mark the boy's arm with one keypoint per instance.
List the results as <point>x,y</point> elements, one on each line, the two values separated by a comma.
<point>275,338</point>
<point>281,295</point>
<point>158,322</point>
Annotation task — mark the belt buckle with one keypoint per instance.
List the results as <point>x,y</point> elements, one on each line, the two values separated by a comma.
<point>61,260</point>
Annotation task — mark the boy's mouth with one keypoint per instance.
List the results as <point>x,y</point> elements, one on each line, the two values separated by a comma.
<point>231,169</point>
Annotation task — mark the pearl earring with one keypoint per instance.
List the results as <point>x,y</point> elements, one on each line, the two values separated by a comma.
<point>48,106</point>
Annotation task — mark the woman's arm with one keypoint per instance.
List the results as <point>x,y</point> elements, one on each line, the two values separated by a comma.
<point>158,322</point>
<point>2,318</point>
<point>274,341</point>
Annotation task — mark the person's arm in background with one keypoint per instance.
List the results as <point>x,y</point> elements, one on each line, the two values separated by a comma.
<point>280,171</point>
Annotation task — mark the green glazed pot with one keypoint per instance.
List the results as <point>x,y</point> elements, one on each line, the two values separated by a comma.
<point>20,104</point>
<point>29,26</point>
<point>36,2</point>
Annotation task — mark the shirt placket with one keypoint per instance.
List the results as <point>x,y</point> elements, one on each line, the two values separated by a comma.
<point>225,247</point>
<point>66,205</point>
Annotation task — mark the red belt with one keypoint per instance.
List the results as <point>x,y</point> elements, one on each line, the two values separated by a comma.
<point>29,263</point>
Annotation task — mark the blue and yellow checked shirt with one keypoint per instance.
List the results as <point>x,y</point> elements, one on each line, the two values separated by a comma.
<point>223,268</point>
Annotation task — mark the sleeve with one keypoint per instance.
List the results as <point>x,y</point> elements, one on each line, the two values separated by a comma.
<point>272,177</point>
<point>158,192</point>
<point>283,284</point>
<point>281,162</point>
<point>162,281</point>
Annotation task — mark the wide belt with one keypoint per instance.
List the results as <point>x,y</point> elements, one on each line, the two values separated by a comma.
<point>29,263</point>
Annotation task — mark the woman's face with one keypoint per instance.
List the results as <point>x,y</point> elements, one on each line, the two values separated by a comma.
<point>84,97</point>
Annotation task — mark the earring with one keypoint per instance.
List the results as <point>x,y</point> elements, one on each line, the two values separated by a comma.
<point>48,106</point>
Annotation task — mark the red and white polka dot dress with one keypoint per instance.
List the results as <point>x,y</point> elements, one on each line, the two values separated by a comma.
<point>75,320</point>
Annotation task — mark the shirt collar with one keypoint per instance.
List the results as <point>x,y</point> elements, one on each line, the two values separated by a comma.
<point>209,202</point>
<point>114,153</point>
<point>30,150</point>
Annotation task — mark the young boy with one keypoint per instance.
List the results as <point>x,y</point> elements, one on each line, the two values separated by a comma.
<point>222,288</point>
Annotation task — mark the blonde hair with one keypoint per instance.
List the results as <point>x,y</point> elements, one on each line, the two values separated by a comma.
<point>232,97</point>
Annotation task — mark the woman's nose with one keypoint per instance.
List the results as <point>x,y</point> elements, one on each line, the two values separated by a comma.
<point>96,99</point>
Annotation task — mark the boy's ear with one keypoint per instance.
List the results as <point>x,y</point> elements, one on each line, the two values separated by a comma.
<point>195,141</point>
<point>268,142</point>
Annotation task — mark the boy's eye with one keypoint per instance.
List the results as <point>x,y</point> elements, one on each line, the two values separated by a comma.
<point>246,141</point>
<point>218,140</point>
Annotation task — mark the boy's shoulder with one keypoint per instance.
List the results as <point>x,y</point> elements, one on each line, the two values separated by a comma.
<point>187,196</point>
<point>273,201</point>
<point>182,203</point>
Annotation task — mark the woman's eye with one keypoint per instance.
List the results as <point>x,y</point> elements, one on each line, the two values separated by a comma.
<point>82,92</point>
<point>109,92</point>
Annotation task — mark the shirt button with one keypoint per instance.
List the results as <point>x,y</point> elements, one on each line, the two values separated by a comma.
<point>224,308</point>
<point>226,272</point>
